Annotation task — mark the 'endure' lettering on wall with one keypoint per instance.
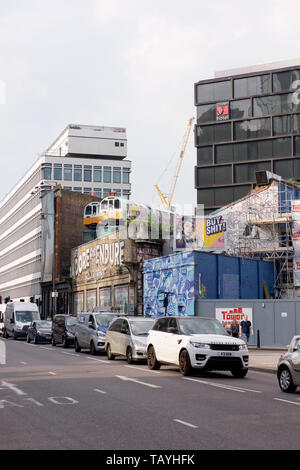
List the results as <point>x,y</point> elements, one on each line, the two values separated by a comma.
<point>105,254</point>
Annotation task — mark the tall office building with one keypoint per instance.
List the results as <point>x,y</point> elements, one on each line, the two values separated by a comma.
<point>248,120</point>
<point>87,159</point>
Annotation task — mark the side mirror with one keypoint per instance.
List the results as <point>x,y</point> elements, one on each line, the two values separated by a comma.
<point>91,325</point>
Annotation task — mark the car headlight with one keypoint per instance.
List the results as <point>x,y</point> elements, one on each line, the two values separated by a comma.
<point>200,345</point>
<point>101,334</point>
<point>243,346</point>
<point>69,333</point>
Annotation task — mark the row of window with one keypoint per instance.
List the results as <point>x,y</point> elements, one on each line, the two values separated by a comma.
<point>86,173</point>
<point>218,197</point>
<point>248,86</point>
<point>253,150</point>
<point>248,129</point>
<point>87,301</point>
<point>100,192</point>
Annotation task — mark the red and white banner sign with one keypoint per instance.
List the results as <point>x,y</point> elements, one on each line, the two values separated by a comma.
<point>227,314</point>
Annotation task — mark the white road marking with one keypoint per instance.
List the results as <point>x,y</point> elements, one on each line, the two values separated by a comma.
<point>66,400</point>
<point>11,387</point>
<point>185,423</point>
<point>287,401</point>
<point>99,391</point>
<point>52,373</point>
<point>228,387</point>
<point>128,379</point>
<point>44,347</point>
<point>24,363</point>
<point>143,369</point>
<point>99,360</point>
<point>70,354</point>
<point>32,400</point>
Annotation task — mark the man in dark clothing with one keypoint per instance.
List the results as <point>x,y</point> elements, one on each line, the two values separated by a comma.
<point>246,329</point>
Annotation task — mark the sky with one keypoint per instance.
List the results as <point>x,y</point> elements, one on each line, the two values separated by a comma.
<point>126,63</point>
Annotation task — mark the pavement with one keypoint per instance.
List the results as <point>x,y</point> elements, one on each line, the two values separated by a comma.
<point>265,359</point>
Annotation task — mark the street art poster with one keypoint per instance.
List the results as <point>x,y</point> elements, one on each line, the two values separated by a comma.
<point>170,277</point>
<point>200,233</point>
<point>226,315</point>
<point>295,208</point>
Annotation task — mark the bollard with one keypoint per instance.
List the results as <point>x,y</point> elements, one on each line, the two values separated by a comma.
<point>258,338</point>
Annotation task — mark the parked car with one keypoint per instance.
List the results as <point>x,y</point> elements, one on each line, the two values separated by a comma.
<point>127,336</point>
<point>90,330</point>
<point>288,367</point>
<point>63,330</point>
<point>17,318</point>
<point>40,331</point>
<point>195,342</point>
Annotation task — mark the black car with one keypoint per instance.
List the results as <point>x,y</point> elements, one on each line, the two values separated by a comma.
<point>63,330</point>
<point>39,331</point>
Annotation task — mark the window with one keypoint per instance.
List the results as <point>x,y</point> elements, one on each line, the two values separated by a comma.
<point>204,155</point>
<point>213,91</point>
<point>87,173</point>
<point>47,172</point>
<point>98,192</point>
<point>121,298</point>
<point>87,190</point>
<point>107,174</point>
<point>247,172</point>
<point>117,144</point>
<point>105,297</point>
<point>289,124</point>
<point>69,188</point>
<point>116,325</point>
<point>214,175</point>
<point>106,192</point>
<point>117,175</point>
<point>126,172</point>
<point>275,104</point>
<point>284,81</point>
<point>206,113</point>
<point>77,173</point>
<point>57,172</point>
<point>213,133</point>
<point>78,189</point>
<point>250,86</point>
<point>118,192</point>
<point>288,168</point>
<point>252,129</point>
<point>257,150</point>
<point>68,172</point>
<point>240,109</point>
<point>126,193</point>
<point>97,174</point>
<point>206,197</point>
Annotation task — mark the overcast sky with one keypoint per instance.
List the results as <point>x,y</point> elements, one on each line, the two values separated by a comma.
<point>126,63</point>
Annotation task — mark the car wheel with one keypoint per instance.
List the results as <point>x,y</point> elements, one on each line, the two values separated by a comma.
<point>185,363</point>
<point>5,334</point>
<point>77,347</point>
<point>92,348</point>
<point>110,356</point>
<point>129,355</point>
<point>28,339</point>
<point>239,373</point>
<point>285,380</point>
<point>65,342</point>
<point>152,362</point>
<point>14,335</point>
<point>53,341</point>
<point>35,340</point>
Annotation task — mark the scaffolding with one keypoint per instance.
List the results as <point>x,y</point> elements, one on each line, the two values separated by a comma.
<point>259,226</point>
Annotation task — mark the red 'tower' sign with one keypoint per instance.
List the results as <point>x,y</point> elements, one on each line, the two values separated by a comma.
<point>222,111</point>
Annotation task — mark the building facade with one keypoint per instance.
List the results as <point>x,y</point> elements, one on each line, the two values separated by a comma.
<point>107,273</point>
<point>86,159</point>
<point>248,120</point>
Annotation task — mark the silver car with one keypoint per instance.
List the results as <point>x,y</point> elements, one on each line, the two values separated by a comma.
<point>288,368</point>
<point>127,336</point>
<point>90,330</point>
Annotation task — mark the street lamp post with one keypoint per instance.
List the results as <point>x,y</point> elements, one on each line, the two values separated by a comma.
<point>43,218</point>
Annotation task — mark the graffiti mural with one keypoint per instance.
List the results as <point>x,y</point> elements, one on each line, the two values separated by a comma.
<point>169,277</point>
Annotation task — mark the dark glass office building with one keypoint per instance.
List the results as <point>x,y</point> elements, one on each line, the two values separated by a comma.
<point>245,123</point>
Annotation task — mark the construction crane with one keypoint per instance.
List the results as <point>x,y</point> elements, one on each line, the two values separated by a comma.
<point>167,201</point>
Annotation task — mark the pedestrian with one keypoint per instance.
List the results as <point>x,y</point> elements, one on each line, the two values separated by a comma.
<point>246,329</point>
<point>234,328</point>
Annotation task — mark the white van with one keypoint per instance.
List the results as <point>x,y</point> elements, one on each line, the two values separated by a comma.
<point>2,309</point>
<point>17,318</point>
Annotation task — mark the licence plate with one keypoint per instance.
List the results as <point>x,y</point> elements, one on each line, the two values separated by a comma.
<point>225,353</point>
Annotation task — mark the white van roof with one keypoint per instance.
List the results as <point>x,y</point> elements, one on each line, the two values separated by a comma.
<point>24,306</point>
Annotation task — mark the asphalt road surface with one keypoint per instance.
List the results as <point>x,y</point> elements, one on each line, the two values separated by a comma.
<point>54,398</point>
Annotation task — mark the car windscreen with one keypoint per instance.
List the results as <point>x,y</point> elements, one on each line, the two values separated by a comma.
<point>194,326</point>
<point>104,320</point>
<point>44,324</point>
<point>27,316</point>
<point>141,328</point>
<point>71,321</point>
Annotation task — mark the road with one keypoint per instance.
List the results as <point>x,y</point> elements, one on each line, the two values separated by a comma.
<point>54,398</point>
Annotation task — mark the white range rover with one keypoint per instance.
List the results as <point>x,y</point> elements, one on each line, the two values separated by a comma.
<point>195,342</point>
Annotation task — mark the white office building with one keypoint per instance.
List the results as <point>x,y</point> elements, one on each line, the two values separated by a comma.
<point>88,159</point>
